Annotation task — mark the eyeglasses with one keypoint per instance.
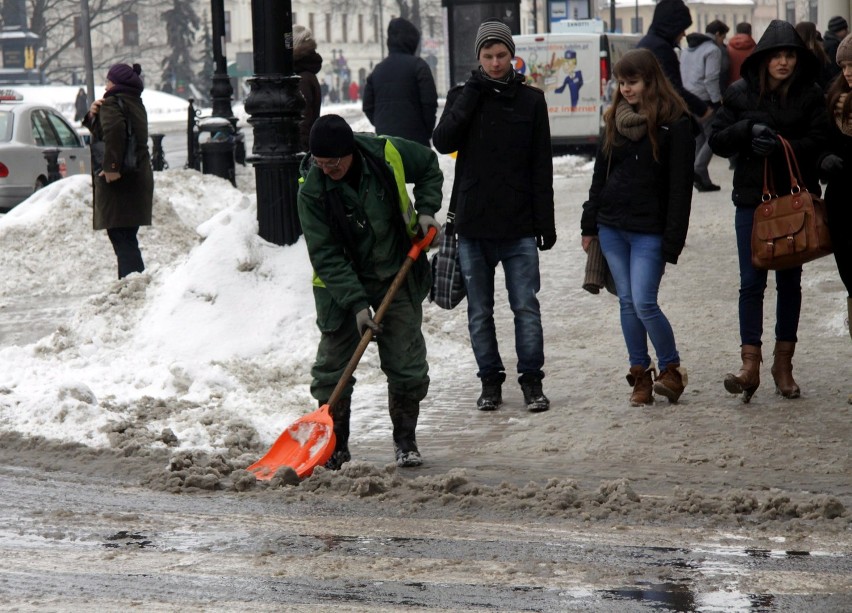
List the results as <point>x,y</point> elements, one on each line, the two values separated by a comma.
<point>327,165</point>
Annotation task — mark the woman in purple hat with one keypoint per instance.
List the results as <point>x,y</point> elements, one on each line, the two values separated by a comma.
<point>123,195</point>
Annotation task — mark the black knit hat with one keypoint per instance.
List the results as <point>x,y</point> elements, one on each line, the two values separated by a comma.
<point>494,30</point>
<point>837,23</point>
<point>331,137</point>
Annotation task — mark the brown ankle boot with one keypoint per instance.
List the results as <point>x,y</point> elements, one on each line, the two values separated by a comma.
<point>642,380</point>
<point>782,370</point>
<point>671,382</point>
<point>747,380</point>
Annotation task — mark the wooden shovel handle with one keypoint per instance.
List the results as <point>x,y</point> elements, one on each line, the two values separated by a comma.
<point>398,280</point>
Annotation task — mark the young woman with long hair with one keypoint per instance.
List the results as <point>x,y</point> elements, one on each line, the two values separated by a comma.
<point>638,208</point>
<point>835,169</point>
<point>777,95</point>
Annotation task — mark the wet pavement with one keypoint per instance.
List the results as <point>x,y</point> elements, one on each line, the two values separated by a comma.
<point>95,544</point>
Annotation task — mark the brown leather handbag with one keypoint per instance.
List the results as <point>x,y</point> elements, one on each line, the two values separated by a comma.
<point>788,230</point>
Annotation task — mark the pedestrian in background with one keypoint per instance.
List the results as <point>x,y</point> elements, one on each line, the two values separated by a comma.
<point>358,225</point>
<point>307,63</point>
<point>838,28</point>
<point>836,167</point>
<point>667,29</point>
<point>638,208</point>
<point>399,97</point>
<point>81,105</point>
<point>810,36</point>
<point>740,47</point>
<point>719,30</point>
<point>124,198</point>
<point>700,70</point>
<point>503,200</point>
<point>776,96</point>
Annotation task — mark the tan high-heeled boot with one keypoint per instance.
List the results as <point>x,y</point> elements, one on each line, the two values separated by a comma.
<point>747,380</point>
<point>782,370</point>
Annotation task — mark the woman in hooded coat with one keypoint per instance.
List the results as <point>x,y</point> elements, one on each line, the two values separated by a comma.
<point>123,197</point>
<point>777,96</point>
<point>399,97</point>
<point>307,64</point>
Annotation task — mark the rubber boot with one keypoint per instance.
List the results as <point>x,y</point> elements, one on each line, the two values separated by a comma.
<point>642,380</point>
<point>404,413</point>
<point>747,380</point>
<point>671,382</point>
<point>340,414</point>
<point>782,370</point>
<point>849,316</point>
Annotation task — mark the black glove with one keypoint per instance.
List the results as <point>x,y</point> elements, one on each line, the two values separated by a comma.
<point>764,139</point>
<point>545,241</point>
<point>831,165</point>
<point>364,320</point>
<point>475,82</point>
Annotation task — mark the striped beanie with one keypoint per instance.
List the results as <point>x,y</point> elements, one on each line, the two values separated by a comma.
<point>494,30</point>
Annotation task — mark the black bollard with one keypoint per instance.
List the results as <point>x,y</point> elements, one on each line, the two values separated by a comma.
<point>52,157</point>
<point>158,156</point>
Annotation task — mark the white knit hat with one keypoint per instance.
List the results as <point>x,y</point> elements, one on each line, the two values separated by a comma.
<point>494,30</point>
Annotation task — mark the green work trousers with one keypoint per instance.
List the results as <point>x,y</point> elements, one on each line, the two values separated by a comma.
<point>402,350</point>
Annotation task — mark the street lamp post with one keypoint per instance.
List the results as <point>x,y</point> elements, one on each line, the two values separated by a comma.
<point>221,90</point>
<point>275,106</point>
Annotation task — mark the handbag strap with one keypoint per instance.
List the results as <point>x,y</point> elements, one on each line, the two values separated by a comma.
<point>796,183</point>
<point>128,129</point>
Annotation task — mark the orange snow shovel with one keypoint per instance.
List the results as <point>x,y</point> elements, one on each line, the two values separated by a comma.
<point>309,441</point>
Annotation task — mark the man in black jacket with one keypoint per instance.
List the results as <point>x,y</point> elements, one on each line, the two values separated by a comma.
<point>503,202</point>
<point>668,27</point>
<point>838,28</point>
<point>399,96</point>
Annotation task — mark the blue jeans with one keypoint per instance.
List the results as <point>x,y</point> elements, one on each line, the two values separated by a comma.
<point>519,257</point>
<point>788,285</point>
<point>637,266</point>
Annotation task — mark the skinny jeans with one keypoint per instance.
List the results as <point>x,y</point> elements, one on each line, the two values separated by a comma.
<point>788,287</point>
<point>637,265</point>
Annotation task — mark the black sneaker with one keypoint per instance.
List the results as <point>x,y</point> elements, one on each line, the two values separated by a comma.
<point>533,395</point>
<point>491,396</point>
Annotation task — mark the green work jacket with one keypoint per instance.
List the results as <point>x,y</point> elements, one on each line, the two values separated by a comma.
<point>347,280</point>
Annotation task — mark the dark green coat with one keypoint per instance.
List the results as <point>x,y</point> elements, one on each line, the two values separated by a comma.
<point>352,281</point>
<point>127,202</point>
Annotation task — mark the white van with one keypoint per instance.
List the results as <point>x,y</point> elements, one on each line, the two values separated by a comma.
<point>574,71</point>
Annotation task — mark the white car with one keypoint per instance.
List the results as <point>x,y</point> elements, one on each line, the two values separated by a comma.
<point>27,130</point>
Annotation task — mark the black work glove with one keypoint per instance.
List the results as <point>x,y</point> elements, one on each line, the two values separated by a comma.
<point>364,320</point>
<point>764,140</point>
<point>545,241</point>
<point>831,165</point>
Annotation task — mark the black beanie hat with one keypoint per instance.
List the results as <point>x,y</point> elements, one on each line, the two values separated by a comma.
<point>331,137</point>
<point>837,24</point>
<point>494,30</point>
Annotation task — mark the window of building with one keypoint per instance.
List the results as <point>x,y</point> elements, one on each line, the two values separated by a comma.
<point>360,28</point>
<point>636,25</point>
<point>328,29</point>
<point>376,26</point>
<point>790,12</point>
<point>227,26</point>
<point>812,11</point>
<point>311,23</point>
<point>130,30</point>
<point>344,26</point>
